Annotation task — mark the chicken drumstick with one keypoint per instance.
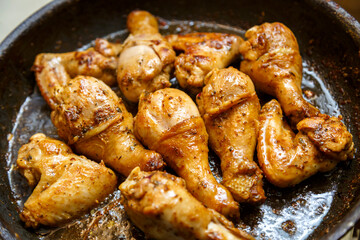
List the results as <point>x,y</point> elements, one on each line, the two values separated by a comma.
<point>230,108</point>
<point>202,53</point>
<point>159,204</point>
<point>147,58</point>
<point>272,60</point>
<point>169,122</point>
<point>90,117</point>
<point>54,70</point>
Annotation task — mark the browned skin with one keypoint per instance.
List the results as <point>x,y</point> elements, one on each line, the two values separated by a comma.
<point>169,122</point>
<point>288,159</point>
<point>147,59</point>
<point>272,60</point>
<point>159,204</point>
<point>91,117</point>
<point>67,185</point>
<point>202,53</point>
<point>230,108</point>
<point>54,70</point>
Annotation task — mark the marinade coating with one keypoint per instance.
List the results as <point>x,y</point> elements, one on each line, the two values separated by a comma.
<point>230,108</point>
<point>66,185</point>
<point>159,204</point>
<point>169,122</point>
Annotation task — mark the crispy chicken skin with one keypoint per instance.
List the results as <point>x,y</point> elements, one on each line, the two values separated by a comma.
<point>90,117</point>
<point>67,185</point>
<point>272,60</point>
<point>287,159</point>
<point>230,108</point>
<point>202,53</point>
<point>169,122</point>
<point>159,204</point>
<point>54,70</point>
<point>147,58</point>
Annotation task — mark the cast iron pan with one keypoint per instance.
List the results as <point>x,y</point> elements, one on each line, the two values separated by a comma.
<point>325,206</point>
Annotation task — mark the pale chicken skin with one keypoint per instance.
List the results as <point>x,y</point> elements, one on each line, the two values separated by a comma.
<point>90,117</point>
<point>169,122</point>
<point>66,185</point>
<point>272,60</point>
<point>54,70</point>
<point>230,108</point>
<point>159,204</point>
<point>202,53</point>
<point>287,159</point>
<point>146,61</point>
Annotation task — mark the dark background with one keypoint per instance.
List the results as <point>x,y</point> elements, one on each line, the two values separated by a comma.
<point>351,6</point>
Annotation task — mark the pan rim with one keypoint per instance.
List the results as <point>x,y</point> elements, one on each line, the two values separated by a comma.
<point>345,19</point>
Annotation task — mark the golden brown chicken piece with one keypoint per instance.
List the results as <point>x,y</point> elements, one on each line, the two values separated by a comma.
<point>147,59</point>
<point>67,185</point>
<point>272,60</point>
<point>202,53</point>
<point>159,204</point>
<point>230,108</point>
<point>288,159</point>
<point>169,122</point>
<point>90,116</point>
<point>54,70</point>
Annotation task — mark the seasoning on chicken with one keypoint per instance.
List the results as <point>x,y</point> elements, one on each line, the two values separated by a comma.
<point>287,159</point>
<point>159,204</point>
<point>169,122</point>
<point>54,70</point>
<point>147,58</point>
<point>230,108</point>
<point>90,117</point>
<point>272,60</point>
<point>202,53</point>
<point>67,185</point>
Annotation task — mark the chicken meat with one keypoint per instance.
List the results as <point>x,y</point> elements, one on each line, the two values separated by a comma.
<point>66,185</point>
<point>90,117</point>
<point>272,60</point>
<point>202,53</point>
<point>230,108</point>
<point>287,159</point>
<point>169,122</point>
<point>146,60</point>
<point>54,70</point>
<point>159,204</point>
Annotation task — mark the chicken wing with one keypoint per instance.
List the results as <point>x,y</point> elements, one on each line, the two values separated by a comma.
<point>159,204</point>
<point>288,159</point>
<point>54,70</point>
<point>202,53</point>
<point>272,60</point>
<point>147,59</point>
<point>230,108</point>
<point>90,117</point>
<point>67,185</point>
<point>169,122</point>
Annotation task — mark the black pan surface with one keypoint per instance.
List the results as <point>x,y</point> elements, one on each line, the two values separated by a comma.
<point>324,206</point>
